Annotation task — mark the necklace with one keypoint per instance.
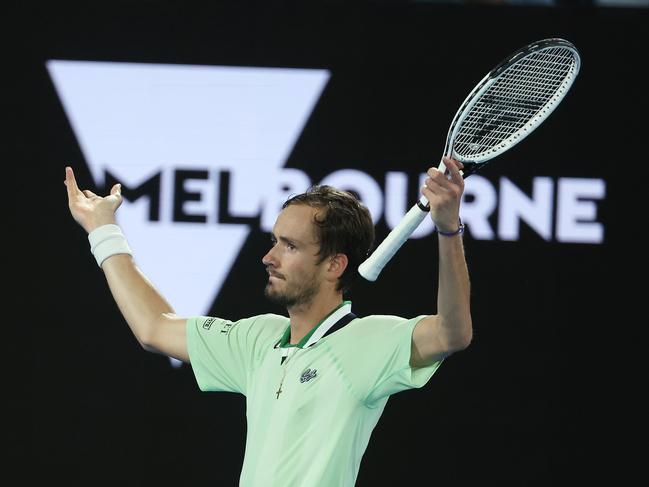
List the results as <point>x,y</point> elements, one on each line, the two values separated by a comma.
<point>290,356</point>
<point>337,318</point>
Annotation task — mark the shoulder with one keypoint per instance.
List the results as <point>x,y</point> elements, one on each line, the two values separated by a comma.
<point>266,324</point>
<point>269,324</point>
<point>385,322</point>
<point>377,327</point>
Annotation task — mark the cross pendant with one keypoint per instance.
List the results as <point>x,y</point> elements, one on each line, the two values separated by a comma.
<point>279,391</point>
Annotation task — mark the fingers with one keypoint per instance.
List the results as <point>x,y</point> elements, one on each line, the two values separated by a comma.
<point>428,193</point>
<point>435,180</point>
<point>454,167</point>
<point>451,177</point>
<point>71,183</point>
<point>444,184</point>
<point>74,191</point>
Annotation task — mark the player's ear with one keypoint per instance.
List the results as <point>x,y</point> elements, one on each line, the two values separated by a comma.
<point>337,265</point>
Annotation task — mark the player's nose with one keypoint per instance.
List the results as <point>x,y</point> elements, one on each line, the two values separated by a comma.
<point>269,259</point>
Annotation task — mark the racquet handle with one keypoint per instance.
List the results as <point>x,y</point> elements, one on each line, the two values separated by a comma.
<point>374,264</point>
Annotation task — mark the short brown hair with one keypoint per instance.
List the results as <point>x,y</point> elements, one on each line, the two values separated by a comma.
<point>345,226</point>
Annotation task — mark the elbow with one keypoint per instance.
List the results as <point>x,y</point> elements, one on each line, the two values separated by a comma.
<point>465,341</point>
<point>459,344</point>
<point>149,345</point>
<point>468,334</point>
<point>146,337</point>
<point>462,339</point>
<point>156,333</point>
<point>148,348</point>
<point>145,344</point>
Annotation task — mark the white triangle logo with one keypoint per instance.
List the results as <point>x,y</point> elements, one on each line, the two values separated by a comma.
<point>136,121</point>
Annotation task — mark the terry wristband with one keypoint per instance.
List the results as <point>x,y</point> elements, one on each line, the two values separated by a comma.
<point>106,241</point>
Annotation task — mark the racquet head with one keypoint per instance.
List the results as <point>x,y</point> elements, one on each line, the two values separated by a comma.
<point>511,101</point>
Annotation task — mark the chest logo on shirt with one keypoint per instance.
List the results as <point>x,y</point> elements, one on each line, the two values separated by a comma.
<point>307,375</point>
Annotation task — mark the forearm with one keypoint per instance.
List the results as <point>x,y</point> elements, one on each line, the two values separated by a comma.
<point>150,317</point>
<point>137,298</point>
<point>453,296</point>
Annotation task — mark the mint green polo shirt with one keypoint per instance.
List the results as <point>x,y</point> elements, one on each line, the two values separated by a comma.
<point>315,431</point>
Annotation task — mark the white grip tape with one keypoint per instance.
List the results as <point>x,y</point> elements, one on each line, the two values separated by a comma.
<point>106,241</point>
<point>374,264</point>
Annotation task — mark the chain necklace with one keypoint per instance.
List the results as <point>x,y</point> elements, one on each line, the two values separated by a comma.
<point>290,356</point>
<point>341,316</point>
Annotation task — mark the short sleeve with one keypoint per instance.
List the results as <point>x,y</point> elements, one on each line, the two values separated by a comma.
<point>391,345</point>
<point>221,352</point>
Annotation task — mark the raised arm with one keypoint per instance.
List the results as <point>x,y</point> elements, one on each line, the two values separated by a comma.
<point>151,318</point>
<point>450,330</point>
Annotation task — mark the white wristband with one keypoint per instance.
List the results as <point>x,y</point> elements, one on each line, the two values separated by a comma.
<point>106,241</point>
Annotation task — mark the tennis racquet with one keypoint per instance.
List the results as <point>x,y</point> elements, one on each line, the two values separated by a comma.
<point>510,102</point>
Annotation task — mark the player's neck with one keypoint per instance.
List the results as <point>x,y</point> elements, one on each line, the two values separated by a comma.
<point>306,317</point>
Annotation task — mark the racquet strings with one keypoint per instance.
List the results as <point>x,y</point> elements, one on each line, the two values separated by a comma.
<point>516,97</point>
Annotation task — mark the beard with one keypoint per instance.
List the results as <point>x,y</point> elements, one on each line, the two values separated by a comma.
<point>294,294</point>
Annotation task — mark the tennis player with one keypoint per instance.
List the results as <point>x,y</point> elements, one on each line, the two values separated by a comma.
<point>316,382</point>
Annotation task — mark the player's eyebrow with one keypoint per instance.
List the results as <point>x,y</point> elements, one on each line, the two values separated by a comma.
<point>287,240</point>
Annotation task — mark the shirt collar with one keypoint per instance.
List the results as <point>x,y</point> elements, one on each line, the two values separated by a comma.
<point>319,330</point>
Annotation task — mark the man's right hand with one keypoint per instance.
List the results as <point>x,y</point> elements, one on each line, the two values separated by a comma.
<point>89,210</point>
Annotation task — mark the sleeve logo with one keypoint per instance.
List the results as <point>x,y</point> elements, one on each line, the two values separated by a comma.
<point>207,324</point>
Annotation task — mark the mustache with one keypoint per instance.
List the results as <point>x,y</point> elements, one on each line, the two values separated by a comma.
<point>274,274</point>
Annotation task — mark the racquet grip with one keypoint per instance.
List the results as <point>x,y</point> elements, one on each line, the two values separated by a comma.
<point>374,264</point>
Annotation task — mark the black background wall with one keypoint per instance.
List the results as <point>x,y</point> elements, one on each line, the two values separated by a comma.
<point>531,402</point>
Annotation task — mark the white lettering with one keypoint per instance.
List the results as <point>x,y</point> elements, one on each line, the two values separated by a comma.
<point>478,203</point>
<point>363,185</point>
<point>515,206</point>
<point>284,184</point>
<point>576,213</point>
<point>396,188</point>
<point>243,201</point>
<point>575,222</point>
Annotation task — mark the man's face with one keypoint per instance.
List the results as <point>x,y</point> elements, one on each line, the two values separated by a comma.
<point>294,275</point>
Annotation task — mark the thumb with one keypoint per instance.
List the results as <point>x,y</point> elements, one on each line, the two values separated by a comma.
<point>116,191</point>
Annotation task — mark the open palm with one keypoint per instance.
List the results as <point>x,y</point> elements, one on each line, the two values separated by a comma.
<point>88,209</point>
